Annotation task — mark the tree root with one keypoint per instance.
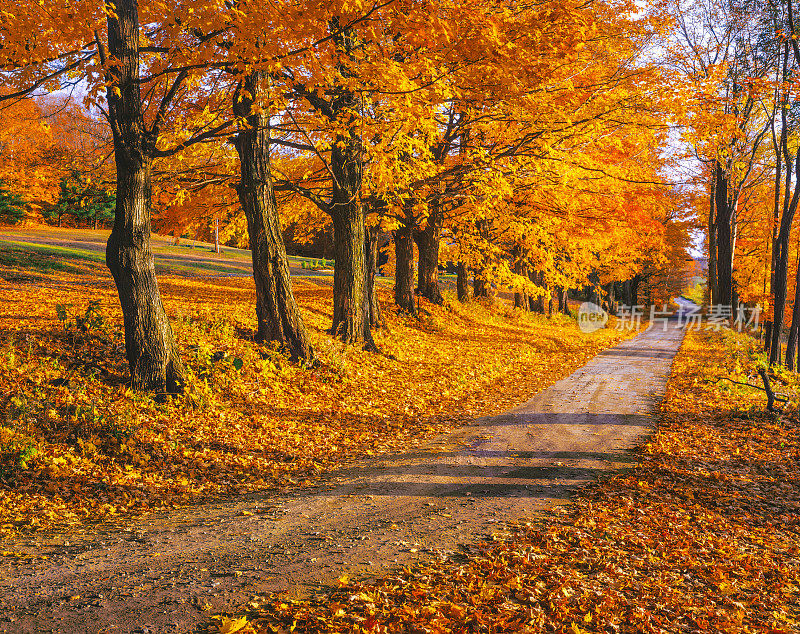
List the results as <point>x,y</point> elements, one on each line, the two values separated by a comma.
<point>771,395</point>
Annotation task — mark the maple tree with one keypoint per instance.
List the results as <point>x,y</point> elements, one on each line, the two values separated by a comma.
<point>742,89</point>
<point>717,66</point>
<point>113,71</point>
<point>523,143</point>
<point>278,316</point>
<point>29,158</point>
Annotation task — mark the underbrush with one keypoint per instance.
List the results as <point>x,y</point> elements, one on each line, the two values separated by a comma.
<point>76,445</point>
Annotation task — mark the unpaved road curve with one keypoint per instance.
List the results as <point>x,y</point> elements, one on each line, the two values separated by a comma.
<point>155,574</point>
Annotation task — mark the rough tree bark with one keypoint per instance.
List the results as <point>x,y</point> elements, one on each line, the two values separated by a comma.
<point>376,319</point>
<point>404,268</point>
<point>520,298</point>
<point>427,241</point>
<point>149,344</point>
<point>724,212</point>
<point>782,267</point>
<point>782,156</point>
<point>462,282</point>
<point>612,298</point>
<point>351,320</point>
<point>713,287</point>
<point>538,302</point>
<point>791,344</point>
<point>480,288</point>
<point>277,313</point>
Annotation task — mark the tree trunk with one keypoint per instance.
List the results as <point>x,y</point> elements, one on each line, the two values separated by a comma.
<point>462,282</point>
<point>277,313</point>
<point>537,304</point>
<point>428,246</point>
<point>634,290</point>
<point>782,188</point>
<point>725,237</point>
<point>216,236</point>
<point>376,319</point>
<point>532,298</point>
<point>479,286</point>
<point>149,345</point>
<point>612,299</point>
<point>404,269</point>
<point>713,286</point>
<point>782,268</point>
<point>525,295</point>
<point>791,345</point>
<point>351,320</point>
<point>520,300</point>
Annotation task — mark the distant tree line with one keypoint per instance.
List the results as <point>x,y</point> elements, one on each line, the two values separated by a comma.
<point>81,202</point>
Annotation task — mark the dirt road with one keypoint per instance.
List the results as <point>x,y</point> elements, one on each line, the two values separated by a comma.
<point>157,574</point>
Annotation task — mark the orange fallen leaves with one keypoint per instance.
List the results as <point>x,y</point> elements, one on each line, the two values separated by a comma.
<point>703,535</point>
<point>76,445</point>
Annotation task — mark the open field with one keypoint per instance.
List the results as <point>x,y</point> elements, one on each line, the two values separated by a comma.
<point>189,258</point>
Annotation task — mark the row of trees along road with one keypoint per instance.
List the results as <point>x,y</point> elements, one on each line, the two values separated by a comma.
<point>738,61</point>
<point>522,141</point>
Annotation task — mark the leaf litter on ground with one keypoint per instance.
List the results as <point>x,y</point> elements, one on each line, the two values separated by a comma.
<point>77,446</point>
<point>702,535</point>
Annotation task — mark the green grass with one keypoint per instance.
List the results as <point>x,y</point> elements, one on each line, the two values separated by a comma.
<point>177,260</point>
<point>13,246</point>
<point>31,261</point>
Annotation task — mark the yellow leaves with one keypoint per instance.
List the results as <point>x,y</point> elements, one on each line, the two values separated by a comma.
<point>110,9</point>
<point>343,580</point>
<point>15,554</point>
<point>663,544</point>
<point>230,626</point>
<point>103,450</point>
